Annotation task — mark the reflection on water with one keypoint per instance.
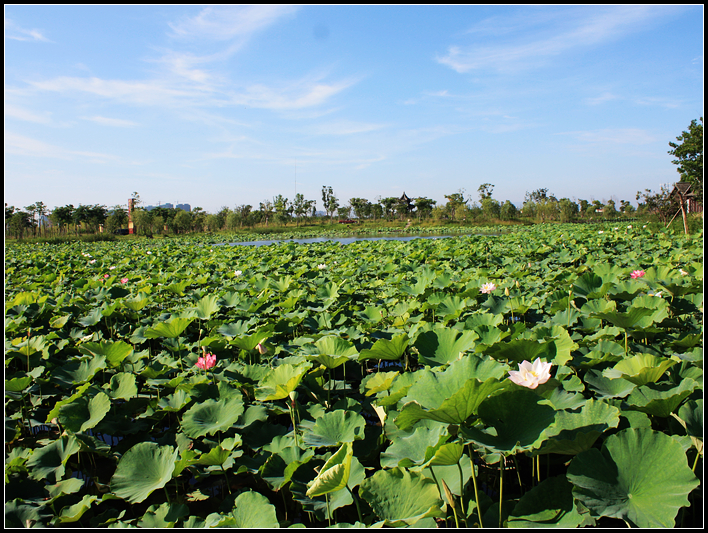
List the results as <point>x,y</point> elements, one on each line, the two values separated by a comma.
<point>349,240</point>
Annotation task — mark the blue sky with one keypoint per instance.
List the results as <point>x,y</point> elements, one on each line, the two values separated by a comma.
<point>228,105</point>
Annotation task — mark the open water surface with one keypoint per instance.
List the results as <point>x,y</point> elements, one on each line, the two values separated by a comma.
<point>349,240</point>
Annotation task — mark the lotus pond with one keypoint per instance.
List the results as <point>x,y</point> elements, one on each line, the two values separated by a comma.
<point>378,383</point>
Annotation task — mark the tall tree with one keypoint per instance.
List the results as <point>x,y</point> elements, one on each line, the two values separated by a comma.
<point>689,157</point>
<point>329,201</point>
<point>485,191</point>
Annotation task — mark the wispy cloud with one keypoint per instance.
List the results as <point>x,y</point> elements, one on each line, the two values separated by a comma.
<point>604,97</point>
<point>529,46</point>
<point>16,144</point>
<point>345,127</point>
<point>116,122</point>
<point>13,31</point>
<point>633,136</point>
<point>21,113</point>
<point>229,22</point>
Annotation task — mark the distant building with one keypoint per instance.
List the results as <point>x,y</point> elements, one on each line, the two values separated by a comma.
<point>183,207</point>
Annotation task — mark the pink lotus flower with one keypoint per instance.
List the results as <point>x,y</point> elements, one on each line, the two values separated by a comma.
<point>206,362</point>
<point>105,276</point>
<point>487,288</point>
<point>261,349</point>
<point>531,375</point>
<point>124,280</point>
<point>637,274</point>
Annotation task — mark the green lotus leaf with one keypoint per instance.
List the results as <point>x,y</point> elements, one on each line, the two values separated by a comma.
<point>206,307</point>
<point>74,512</point>
<point>138,303</point>
<point>635,317</point>
<point>518,420</point>
<point>163,516</point>
<point>94,317</point>
<point>250,342</point>
<point>400,497</point>
<point>387,350</point>
<point>640,476</point>
<point>377,382</point>
<point>443,346</point>
<point>607,387</point>
<point>661,399</point>
<point>410,450</point>
<point>51,459</point>
<point>237,329</point>
<point>281,381</point>
<point>80,371</point>
<point>174,402</point>
<point>334,475</point>
<point>453,410</point>
<point>575,432</point>
<point>518,350</point>
<point>334,428</point>
<point>178,287</point>
<point>18,384</point>
<point>115,352</point>
<point>144,468</point>
<point>691,414</point>
<point>84,413</point>
<point>171,329</point>
<point>210,416</point>
<point>589,285</point>
<point>431,388</point>
<point>640,369</point>
<point>253,510</point>
<point>549,504</point>
<point>331,351</point>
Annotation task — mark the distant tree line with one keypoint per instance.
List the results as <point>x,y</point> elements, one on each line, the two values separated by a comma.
<point>539,206</point>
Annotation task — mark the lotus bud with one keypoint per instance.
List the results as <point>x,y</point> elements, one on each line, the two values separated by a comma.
<point>261,349</point>
<point>506,291</point>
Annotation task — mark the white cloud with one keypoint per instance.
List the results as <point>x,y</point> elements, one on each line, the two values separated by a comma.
<point>16,144</point>
<point>13,31</point>
<point>632,136</point>
<point>345,127</point>
<point>529,47</point>
<point>117,122</point>
<point>23,114</point>
<point>230,22</point>
<point>604,97</point>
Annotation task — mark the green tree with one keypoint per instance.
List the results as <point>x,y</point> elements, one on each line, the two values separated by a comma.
<point>62,217</point>
<point>660,204</point>
<point>423,207</point>
<point>361,207</point>
<point>610,210</point>
<point>301,207</point>
<point>329,201</point>
<point>182,221</point>
<point>142,221</point>
<point>19,223</point>
<point>490,208</point>
<point>485,191</point>
<point>266,209</point>
<point>283,209</point>
<point>508,211</point>
<point>567,210</point>
<point>455,204</point>
<point>689,157</point>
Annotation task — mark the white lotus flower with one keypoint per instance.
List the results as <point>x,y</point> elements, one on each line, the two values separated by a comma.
<point>321,266</point>
<point>238,273</point>
<point>487,288</point>
<point>531,375</point>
